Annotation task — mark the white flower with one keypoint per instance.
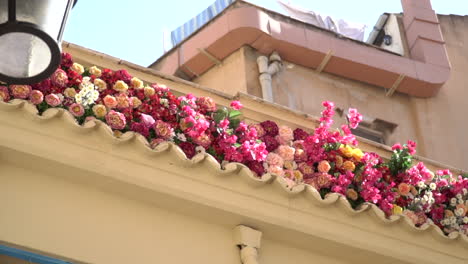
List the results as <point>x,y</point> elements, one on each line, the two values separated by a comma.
<point>181,137</point>
<point>458,196</point>
<point>421,184</point>
<point>460,201</point>
<point>465,220</point>
<point>200,149</point>
<point>465,191</point>
<point>87,95</point>
<point>453,201</point>
<point>433,186</point>
<point>164,102</point>
<point>459,211</point>
<point>453,220</point>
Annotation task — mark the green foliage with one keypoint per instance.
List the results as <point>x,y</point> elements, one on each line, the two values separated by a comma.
<point>332,146</point>
<point>400,161</point>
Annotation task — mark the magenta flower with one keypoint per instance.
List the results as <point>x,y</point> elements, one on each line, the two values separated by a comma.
<point>354,118</point>
<point>116,120</point>
<point>411,147</point>
<point>76,109</point>
<point>236,105</point>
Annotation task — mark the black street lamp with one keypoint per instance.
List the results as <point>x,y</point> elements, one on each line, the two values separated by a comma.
<point>30,38</point>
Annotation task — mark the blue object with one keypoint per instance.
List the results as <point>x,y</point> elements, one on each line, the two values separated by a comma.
<point>182,32</point>
<point>29,256</point>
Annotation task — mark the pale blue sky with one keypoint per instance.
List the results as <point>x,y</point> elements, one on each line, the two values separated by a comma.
<point>133,29</point>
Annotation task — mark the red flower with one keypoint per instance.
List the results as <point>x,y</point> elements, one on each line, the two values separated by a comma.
<point>271,143</point>
<point>188,149</point>
<point>66,61</point>
<point>300,134</point>
<point>270,127</point>
<point>256,167</point>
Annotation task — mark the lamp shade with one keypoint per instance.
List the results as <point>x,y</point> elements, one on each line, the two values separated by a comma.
<point>30,38</point>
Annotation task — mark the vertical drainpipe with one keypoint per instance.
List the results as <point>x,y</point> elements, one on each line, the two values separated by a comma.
<point>268,67</point>
<point>248,241</point>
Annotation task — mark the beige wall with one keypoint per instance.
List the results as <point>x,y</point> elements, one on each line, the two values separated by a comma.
<point>437,124</point>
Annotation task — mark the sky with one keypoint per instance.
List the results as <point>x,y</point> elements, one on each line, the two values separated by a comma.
<point>132,30</point>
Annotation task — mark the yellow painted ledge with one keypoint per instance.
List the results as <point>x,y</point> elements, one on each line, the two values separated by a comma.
<point>230,195</point>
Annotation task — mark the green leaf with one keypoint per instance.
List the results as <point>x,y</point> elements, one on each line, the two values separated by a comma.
<point>234,114</point>
<point>234,123</point>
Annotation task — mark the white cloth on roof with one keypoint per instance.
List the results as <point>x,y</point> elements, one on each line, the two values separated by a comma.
<point>343,27</point>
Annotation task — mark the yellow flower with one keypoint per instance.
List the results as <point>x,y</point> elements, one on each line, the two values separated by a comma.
<point>397,210</point>
<point>349,166</point>
<point>117,133</point>
<point>100,84</point>
<point>120,86</point>
<point>298,175</point>
<point>347,151</point>
<point>99,110</point>
<point>136,102</point>
<point>149,91</point>
<point>136,83</point>
<point>357,154</point>
<point>78,68</point>
<point>339,161</point>
<point>95,71</point>
<point>69,92</point>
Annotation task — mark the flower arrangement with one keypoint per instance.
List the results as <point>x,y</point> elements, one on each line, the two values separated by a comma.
<point>327,159</point>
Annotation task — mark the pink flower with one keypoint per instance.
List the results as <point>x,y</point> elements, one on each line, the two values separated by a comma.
<point>206,104</point>
<point>259,128</point>
<point>59,78</point>
<point>4,94</point>
<point>203,140</point>
<point>156,142</point>
<point>123,101</point>
<point>411,147</point>
<point>236,105</point>
<point>163,129</point>
<point>274,159</point>
<point>53,100</point>
<point>116,120</point>
<point>285,135</point>
<point>147,120</point>
<point>286,152</point>
<point>36,97</point>
<point>20,91</point>
<point>354,118</point>
<point>276,170</point>
<point>224,124</point>
<point>76,109</point>
<point>397,146</point>
<point>110,101</point>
